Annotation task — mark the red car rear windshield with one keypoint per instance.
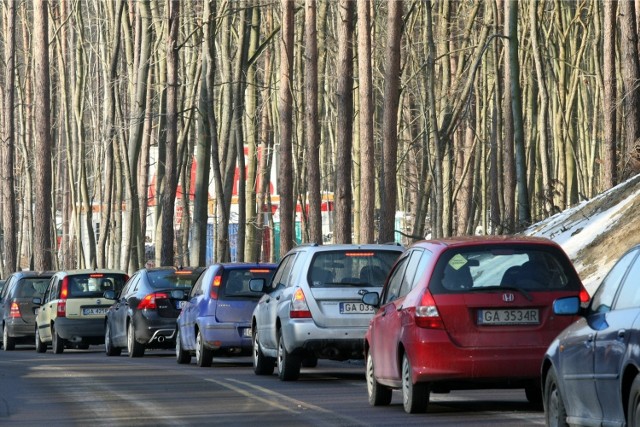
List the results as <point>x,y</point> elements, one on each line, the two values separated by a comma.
<point>366,268</point>
<point>531,268</point>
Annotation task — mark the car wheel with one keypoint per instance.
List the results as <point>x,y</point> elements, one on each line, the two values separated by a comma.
<point>262,365</point>
<point>288,363</point>
<point>40,346</point>
<point>109,348</point>
<point>379,395</point>
<point>8,343</point>
<point>633,408</point>
<point>134,348</point>
<point>57,343</point>
<point>182,356</point>
<point>204,355</point>
<point>554,409</point>
<point>415,397</point>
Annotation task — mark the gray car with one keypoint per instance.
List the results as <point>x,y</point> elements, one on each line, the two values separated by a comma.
<point>17,311</point>
<point>312,308</point>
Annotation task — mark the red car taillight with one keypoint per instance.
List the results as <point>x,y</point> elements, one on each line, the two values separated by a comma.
<point>584,295</point>
<point>149,302</point>
<point>61,310</point>
<point>15,311</point>
<point>299,307</point>
<point>215,287</point>
<point>427,315</point>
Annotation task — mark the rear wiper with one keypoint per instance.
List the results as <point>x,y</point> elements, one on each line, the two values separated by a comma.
<point>526,294</point>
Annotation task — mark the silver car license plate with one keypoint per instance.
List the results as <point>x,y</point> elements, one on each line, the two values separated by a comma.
<point>355,308</point>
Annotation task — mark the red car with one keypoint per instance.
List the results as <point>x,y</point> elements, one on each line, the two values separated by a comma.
<point>465,313</point>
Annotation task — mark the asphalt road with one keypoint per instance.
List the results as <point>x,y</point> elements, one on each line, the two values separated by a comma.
<point>85,387</point>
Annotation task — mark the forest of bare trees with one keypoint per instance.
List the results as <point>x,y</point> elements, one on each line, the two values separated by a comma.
<point>130,126</point>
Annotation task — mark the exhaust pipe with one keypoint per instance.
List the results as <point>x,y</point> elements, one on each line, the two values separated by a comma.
<point>161,339</point>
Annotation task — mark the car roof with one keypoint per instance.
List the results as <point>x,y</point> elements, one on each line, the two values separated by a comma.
<point>30,273</point>
<point>470,241</point>
<point>245,265</point>
<point>347,246</point>
<point>89,271</point>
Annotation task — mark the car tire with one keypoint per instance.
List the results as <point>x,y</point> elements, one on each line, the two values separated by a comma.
<point>288,363</point>
<point>415,397</point>
<point>204,355</point>
<point>57,342</point>
<point>8,343</point>
<point>262,365</point>
<point>40,346</point>
<point>109,348</point>
<point>182,357</point>
<point>554,410</point>
<point>379,395</point>
<point>633,408</point>
<point>134,348</point>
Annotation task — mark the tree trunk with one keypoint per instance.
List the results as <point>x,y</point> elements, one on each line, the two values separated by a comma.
<point>609,96</point>
<point>630,77</point>
<point>367,146</point>
<point>285,108</point>
<point>9,228</point>
<point>390,122</point>
<point>43,247</point>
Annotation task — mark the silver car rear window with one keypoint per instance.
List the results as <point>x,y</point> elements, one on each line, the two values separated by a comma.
<point>368,268</point>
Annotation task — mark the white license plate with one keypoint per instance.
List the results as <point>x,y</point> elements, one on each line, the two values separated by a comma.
<point>95,311</point>
<point>529,316</point>
<point>355,308</point>
<point>180,304</point>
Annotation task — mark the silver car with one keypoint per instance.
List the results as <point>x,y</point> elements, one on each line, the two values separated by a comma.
<point>312,308</point>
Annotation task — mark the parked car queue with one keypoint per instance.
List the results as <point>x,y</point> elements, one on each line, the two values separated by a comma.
<point>442,315</point>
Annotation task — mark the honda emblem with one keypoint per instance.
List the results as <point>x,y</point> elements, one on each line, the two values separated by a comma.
<point>508,297</point>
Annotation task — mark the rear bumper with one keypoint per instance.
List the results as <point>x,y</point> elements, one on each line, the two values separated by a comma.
<point>18,328</point>
<point>225,335</point>
<point>434,358</point>
<point>76,330</point>
<point>326,343</point>
<point>152,329</point>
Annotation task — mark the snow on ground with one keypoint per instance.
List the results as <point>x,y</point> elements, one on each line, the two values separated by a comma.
<point>574,229</point>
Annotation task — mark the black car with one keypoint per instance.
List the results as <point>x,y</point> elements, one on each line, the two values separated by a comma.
<point>17,311</point>
<point>145,312</point>
<point>591,371</point>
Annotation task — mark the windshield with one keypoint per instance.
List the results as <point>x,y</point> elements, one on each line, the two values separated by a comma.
<point>368,268</point>
<point>94,284</point>
<point>530,268</point>
<point>32,287</point>
<point>170,278</point>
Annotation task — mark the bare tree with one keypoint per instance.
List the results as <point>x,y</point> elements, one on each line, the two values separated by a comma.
<point>630,77</point>
<point>8,146</point>
<point>169,195</point>
<point>43,247</point>
<point>285,108</point>
<point>390,122</point>
<point>609,95</point>
<point>367,146</point>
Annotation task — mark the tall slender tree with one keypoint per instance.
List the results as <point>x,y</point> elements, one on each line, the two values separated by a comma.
<point>43,247</point>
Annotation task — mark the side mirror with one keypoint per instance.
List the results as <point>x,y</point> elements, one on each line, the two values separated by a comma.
<point>257,285</point>
<point>110,294</point>
<point>372,299</point>
<point>37,301</point>
<point>569,306</point>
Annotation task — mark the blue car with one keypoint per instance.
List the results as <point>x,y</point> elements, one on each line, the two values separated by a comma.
<point>590,373</point>
<point>216,319</point>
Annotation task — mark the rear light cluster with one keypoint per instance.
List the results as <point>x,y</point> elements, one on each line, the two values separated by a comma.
<point>149,302</point>
<point>61,310</point>
<point>215,287</point>
<point>299,306</point>
<point>584,295</point>
<point>427,315</point>
<point>14,312</point>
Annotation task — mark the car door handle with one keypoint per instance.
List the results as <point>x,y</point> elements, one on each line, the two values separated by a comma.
<point>621,333</point>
